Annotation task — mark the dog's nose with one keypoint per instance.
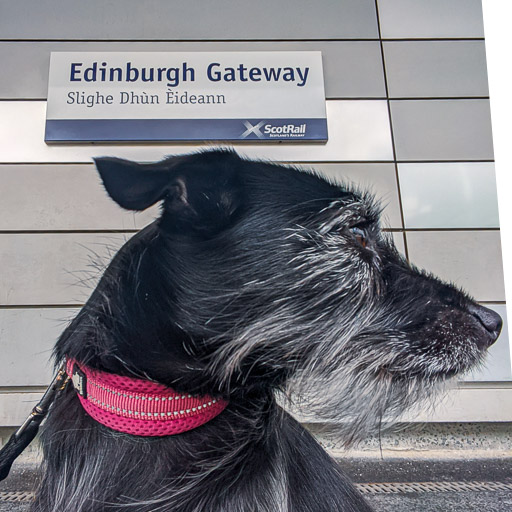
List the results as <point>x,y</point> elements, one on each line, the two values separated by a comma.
<point>489,319</point>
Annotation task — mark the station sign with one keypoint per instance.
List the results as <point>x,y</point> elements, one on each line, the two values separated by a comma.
<point>191,96</point>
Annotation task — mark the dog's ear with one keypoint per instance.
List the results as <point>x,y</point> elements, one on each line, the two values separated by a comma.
<point>199,191</point>
<point>132,185</point>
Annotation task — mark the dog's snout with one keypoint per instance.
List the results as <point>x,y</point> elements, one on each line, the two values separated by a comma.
<point>489,319</point>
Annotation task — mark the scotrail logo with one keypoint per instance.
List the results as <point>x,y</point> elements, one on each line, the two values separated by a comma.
<point>255,129</point>
<point>281,130</point>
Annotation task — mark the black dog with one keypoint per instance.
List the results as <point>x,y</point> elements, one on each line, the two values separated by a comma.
<point>255,279</point>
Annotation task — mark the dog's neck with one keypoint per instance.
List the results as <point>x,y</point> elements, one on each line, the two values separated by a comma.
<point>128,326</point>
<point>133,324</point>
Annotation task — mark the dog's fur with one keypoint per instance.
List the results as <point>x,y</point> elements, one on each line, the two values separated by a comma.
<point>255,279</point>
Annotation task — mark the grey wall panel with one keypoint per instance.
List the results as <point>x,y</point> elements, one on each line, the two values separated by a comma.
<point>43,269</point>
<point>471,259</point>
<point>27,337</point>
<point>399,241</point>
<point>488,404</point>
<point>194,19</point>
<point>442,129</point>
<point>449,195</point>
<point>380,179</point>
<point>430,69</point>
<point>15,407</point>
<point>61,197</point>
<point>71,197</point>
<point>430,18</point>
<point>351,68</point>
<point>53,269</point>
<point>55,188</point>
<point>497,364</point>
<point>358,130</point>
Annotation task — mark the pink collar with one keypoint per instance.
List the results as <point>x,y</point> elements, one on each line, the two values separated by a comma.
<point>139,407</point>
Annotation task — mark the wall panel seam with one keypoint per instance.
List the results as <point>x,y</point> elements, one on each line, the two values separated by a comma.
<point>284,162</point>
<point>334,98</point>
<point>275,40</point>
<point>79,306</point>
<point>41,306</point>
<point>390,120</point>
<point>95,231</point>
<point>206,41</point>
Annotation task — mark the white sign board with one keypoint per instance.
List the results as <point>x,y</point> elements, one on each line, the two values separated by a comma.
<point>193,96</point>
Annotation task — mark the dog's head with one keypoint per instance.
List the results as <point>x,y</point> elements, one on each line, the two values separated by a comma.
<point>258,276</point>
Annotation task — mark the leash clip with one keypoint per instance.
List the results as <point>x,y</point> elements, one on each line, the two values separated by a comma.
<point>26,433</point>
<point>40,410</point>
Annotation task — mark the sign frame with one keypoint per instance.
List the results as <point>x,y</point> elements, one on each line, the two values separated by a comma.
<point>127,97</point>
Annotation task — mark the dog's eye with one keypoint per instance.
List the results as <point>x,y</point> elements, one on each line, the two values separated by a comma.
<point>359,235</point>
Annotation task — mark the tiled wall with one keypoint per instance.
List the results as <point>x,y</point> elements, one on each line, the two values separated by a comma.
<point>408,116</point>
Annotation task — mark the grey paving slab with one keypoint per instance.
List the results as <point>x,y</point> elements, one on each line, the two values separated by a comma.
<point>443,501</point>
<point>427,469</point>
<point>352,69</point>
<point>23,477</point>
<point>374,470</point>
<point>442,129</point>
<point>430,18</point>
<point>433,502</point>
<point>13,507</point>
<point>194,19</point>
<point>434,69</point>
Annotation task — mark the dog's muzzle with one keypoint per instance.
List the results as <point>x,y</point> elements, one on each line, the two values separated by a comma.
<point>490,321</point>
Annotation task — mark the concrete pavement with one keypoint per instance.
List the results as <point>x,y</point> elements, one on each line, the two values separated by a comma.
<point>24,478</point>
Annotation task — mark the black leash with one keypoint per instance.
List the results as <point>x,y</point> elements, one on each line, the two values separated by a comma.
<point>26,433</point>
